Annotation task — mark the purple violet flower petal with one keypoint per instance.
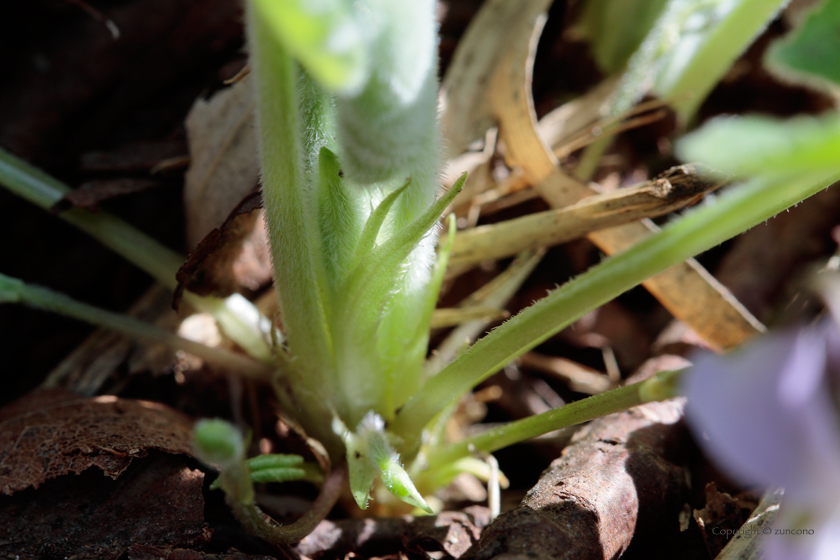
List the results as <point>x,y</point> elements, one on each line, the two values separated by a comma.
<point>764,414</point>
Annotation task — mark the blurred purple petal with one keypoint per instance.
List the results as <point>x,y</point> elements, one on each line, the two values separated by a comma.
<point>803,540</point>
<point>764,414</point>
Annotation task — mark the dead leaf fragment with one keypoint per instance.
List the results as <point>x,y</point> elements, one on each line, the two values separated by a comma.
<point>232,255</point>
<point>90,194</point>
<point>722,513</point>
<point>47,434</point>
<point>224,164</point>
<point>497,76</point>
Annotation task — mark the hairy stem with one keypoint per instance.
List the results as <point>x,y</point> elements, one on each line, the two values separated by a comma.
<point>736,211</point>
<point>660,387</point>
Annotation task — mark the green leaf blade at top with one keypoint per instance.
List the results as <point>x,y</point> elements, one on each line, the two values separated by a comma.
<point>326,36</point>
<point>810,55</point>
<point>754,145</point>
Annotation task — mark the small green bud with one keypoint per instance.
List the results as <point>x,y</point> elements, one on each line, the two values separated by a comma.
<point>398,483</point>
<point>218,442</point>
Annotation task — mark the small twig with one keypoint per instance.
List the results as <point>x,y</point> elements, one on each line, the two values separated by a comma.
<point>578,377</point>
<point>672,190</point>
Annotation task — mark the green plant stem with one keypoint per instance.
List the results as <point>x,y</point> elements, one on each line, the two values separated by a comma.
<point>734,212</point>
<point>293,229</point>
<point>138,248</point>
<point>14,290</point>
<point>662,386</point>
<point>259,524</point>
<point>39,188</point>
<point>725,40</point>
<point>290,228</point>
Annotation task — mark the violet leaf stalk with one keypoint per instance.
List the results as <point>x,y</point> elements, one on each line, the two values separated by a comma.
<point>347,105</point>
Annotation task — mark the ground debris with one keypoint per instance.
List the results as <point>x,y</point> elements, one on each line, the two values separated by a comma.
<point>232,255</point>
<point>619,477</point>
<point>452,532</point>
<point>145,552</point>
<point>722,516</point>
<point>158,501</point>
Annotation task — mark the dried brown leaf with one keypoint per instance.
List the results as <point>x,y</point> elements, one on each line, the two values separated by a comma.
<point>232,255</point>
<point>224,164</point>
<point>47,434</point>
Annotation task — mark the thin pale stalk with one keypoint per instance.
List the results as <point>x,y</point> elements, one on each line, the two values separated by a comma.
<point>17,291</point>
<point>660,387</point>
<point>138,248</point>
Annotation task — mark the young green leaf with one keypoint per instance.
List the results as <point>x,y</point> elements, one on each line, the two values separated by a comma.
<point>339,216</point>
<point>362,470</point>
<point>690,48</point>
<point>372,281</point>
<point>616,28</point>
<point>274,461</point>
<point>328,37</point>
<point>754,145</point>
<point>280,474</point>
<point>367,240</point>
<point>370,453</point>
<point>810,54</point>
<point>398,483</point>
